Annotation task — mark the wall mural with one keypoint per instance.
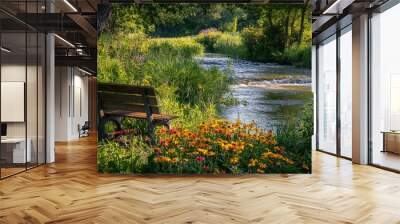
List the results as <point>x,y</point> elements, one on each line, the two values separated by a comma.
<point>205,89</point>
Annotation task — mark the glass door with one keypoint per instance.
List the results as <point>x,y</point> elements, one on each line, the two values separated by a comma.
<point>346,92</point>
<point>385,89</point>
<point>327,95</point>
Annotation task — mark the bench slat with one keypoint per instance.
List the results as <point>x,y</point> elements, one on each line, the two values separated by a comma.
<point>122,88</point>
<point>117,98</point>
<point>129,107</point>
<point>140,115</point>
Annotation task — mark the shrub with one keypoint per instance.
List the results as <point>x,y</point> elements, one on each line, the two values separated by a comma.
<point>208,38</point>
<point>231,45</point>
<point>125,156</point>
<point>296,137</point>
<point>253,39</point>
<point>299,56</point>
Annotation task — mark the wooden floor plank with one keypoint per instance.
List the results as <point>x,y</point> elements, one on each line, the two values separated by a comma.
<point>71,191</point>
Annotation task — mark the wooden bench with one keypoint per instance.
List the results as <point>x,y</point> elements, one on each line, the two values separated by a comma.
<point>116,101</point>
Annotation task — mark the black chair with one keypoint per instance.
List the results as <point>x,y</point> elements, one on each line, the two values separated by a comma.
<point>84,130</point>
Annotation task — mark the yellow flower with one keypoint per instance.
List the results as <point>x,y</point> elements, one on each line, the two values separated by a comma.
<point>262,165</point>
<point>253,162</point>
<point>260,171</point>
<point>203,151</point>
<point>171,151</point>
<point>211,153</point>
<point>234,160</point>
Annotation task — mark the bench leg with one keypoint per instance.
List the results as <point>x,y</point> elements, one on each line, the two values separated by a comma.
<point>153,125</point>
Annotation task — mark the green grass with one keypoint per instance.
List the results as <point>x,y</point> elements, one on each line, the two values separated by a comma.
<point>181,46</point>
<point>229,44</point>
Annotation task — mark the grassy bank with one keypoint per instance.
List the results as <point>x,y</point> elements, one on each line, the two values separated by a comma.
<point>184,88</point>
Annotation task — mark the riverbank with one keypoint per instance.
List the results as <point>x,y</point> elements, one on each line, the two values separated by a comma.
<point>249,44</point>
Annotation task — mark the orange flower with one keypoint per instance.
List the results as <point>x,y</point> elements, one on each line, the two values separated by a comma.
<point>162,159</point>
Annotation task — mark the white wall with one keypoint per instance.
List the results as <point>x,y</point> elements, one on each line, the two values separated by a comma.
<point>71,87</point>
<point>12,73</point>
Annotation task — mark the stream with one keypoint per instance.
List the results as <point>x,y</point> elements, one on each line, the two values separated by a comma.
<point>267,93</point>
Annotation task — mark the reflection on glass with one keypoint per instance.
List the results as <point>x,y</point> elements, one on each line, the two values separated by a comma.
<point>15,151</point>
<point>385,84</point>
<point>327,96</point>
<point>346,93</point>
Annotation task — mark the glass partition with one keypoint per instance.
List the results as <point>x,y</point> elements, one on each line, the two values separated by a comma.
<point>327,95</point>
<point>22,101</point>
<point>385,89</point>
<point>14,153</point>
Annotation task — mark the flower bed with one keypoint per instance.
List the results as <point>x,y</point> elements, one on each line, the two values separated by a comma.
<point>220,146</point>
<point>216,147</point>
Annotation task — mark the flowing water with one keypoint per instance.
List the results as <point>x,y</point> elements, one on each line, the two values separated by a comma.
<point>267,93</point>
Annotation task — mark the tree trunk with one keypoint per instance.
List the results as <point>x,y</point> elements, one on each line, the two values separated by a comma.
<point>288,12</point>
<point>292,27</point>
<point>303,14</point>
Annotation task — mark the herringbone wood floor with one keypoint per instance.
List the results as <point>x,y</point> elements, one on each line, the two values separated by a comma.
<point>70,191</point>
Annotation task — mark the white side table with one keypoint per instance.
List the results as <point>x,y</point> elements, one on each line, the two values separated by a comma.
<point>19,153</point>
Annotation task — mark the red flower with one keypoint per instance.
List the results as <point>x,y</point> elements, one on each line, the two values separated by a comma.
<point>200,158</point>
<point>172,131</point>
<point>205,168</point>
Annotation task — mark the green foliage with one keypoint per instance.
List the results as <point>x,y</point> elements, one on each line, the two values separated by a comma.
<point>193,84</point>
<point>120,57</point>
<point>268,33</point>
<point>208,38</point>
<point>185,47</point>
<point>299,56</point>
<point>189,116</point>
<point>296,137</point>
<point>230,44</point>
<point>128,156</point>
<point>128,19</point>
